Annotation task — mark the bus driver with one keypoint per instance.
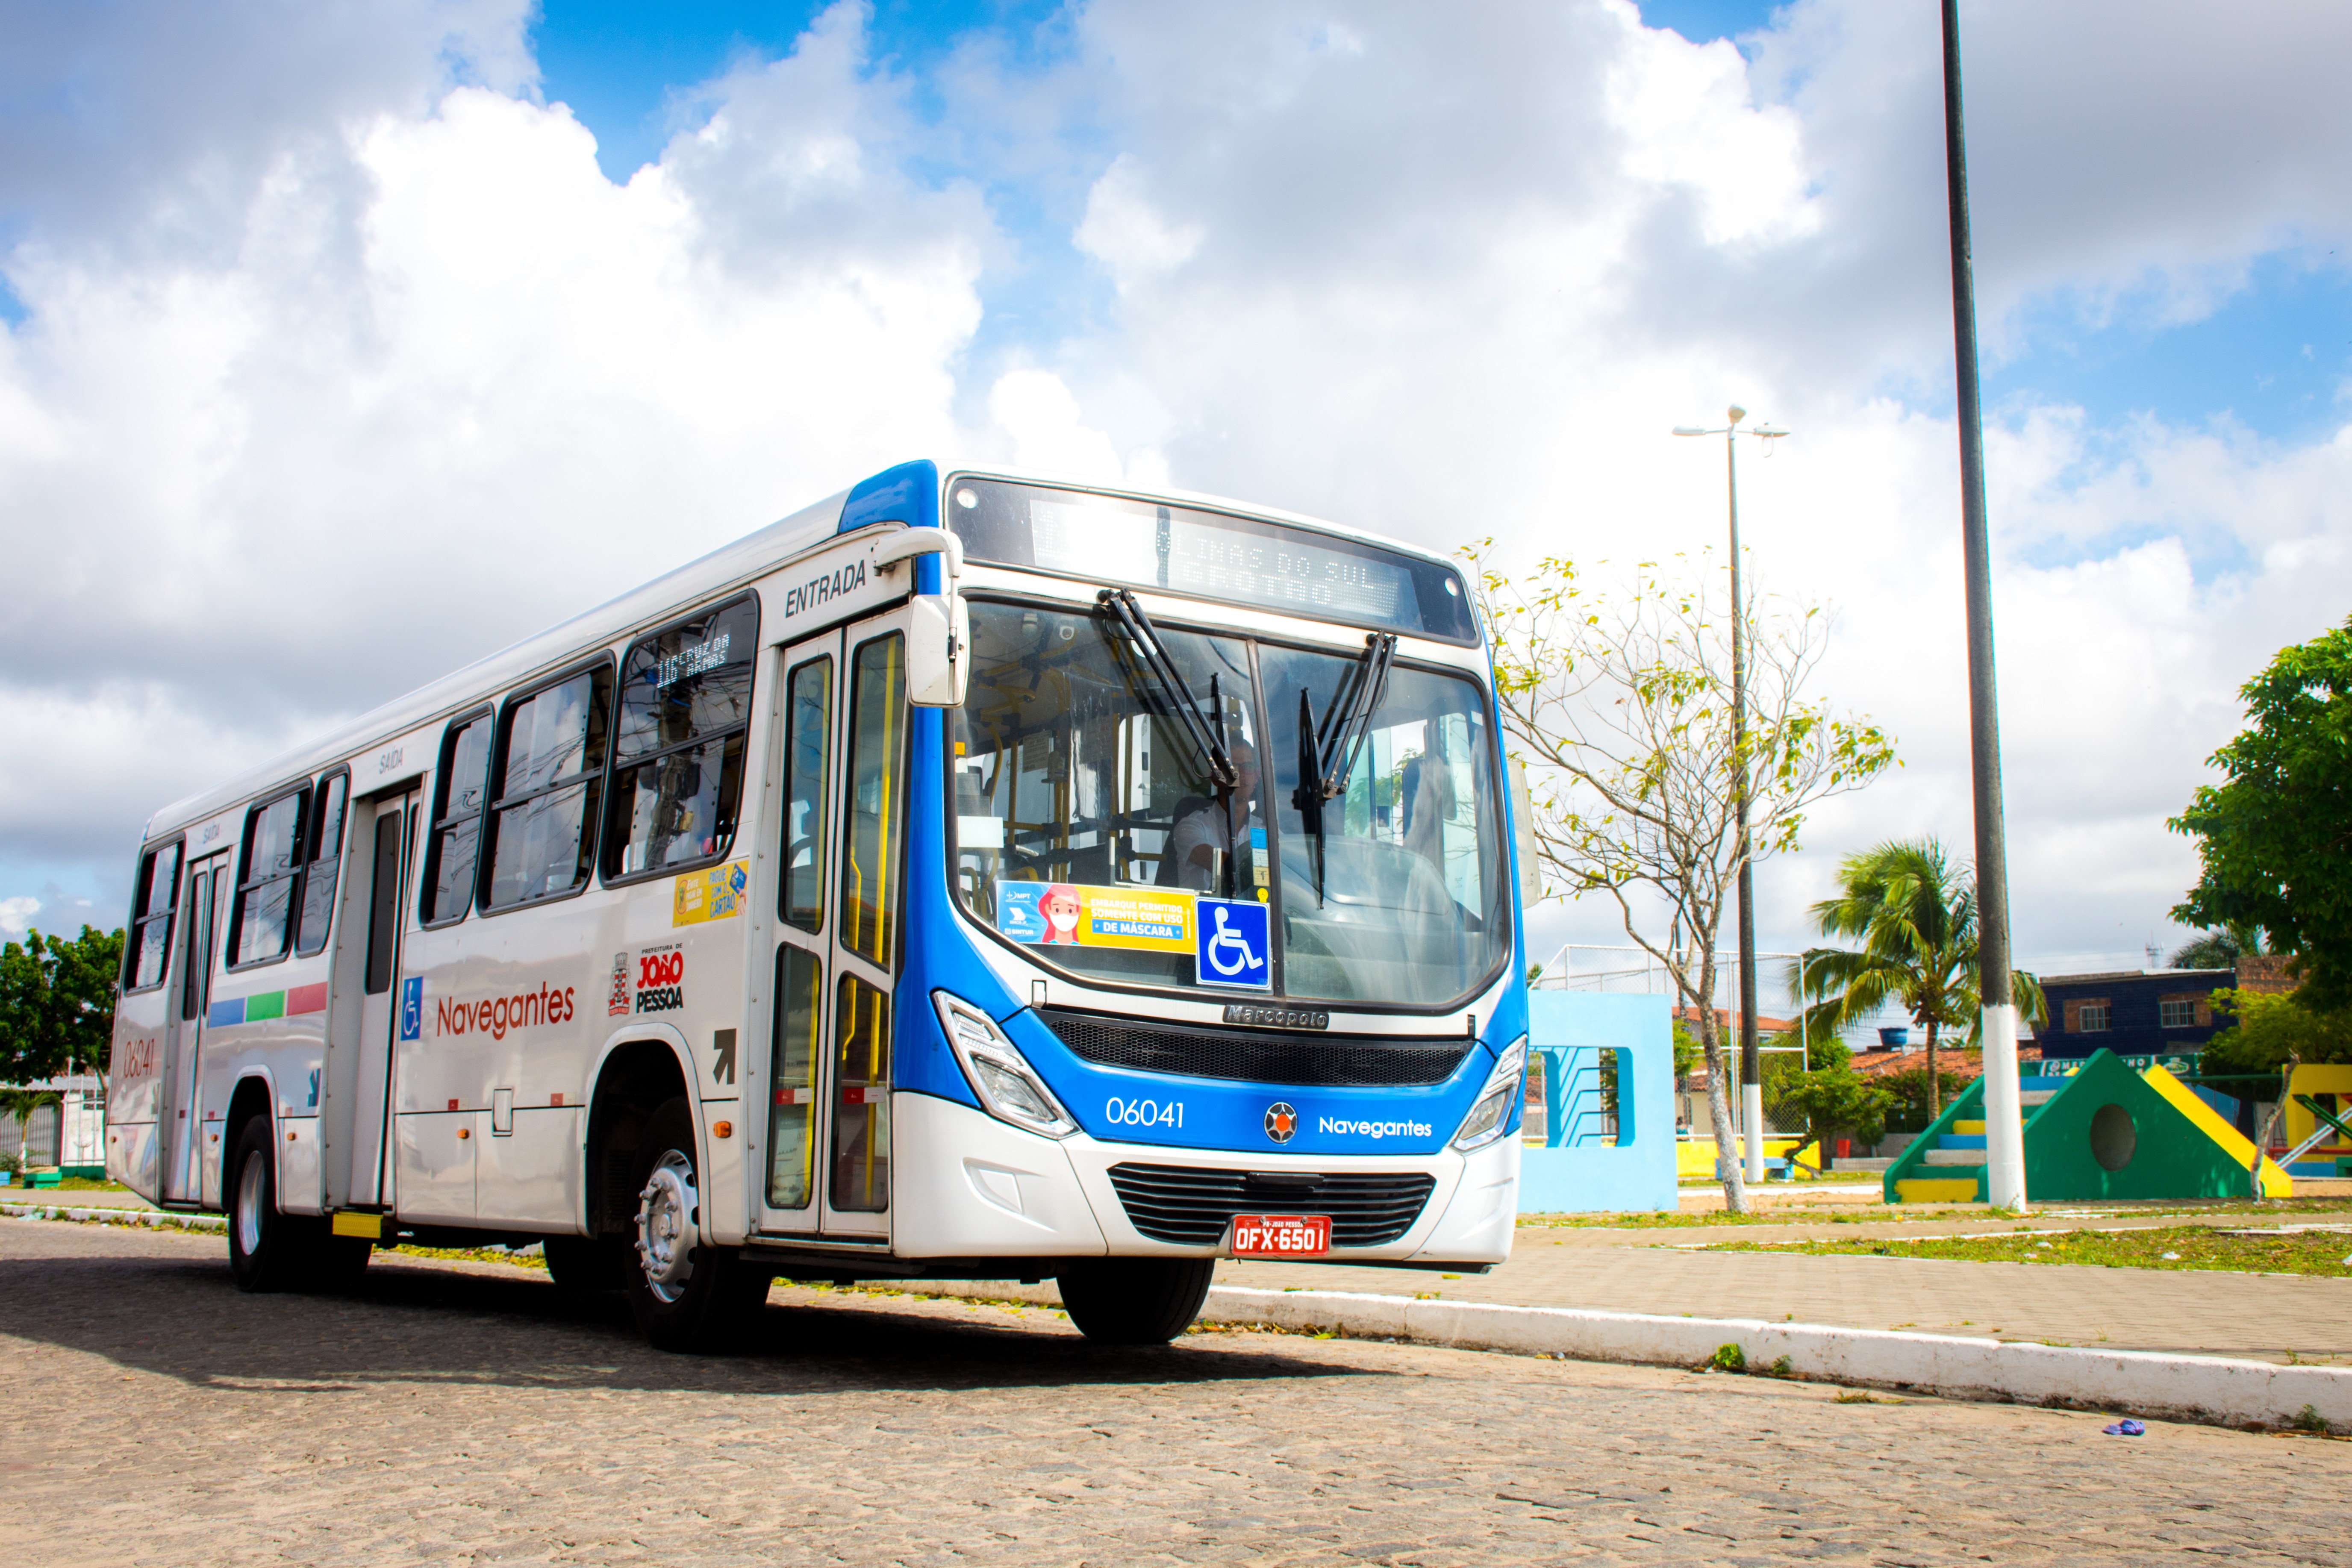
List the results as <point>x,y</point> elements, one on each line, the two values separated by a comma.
<point>1220,825</point>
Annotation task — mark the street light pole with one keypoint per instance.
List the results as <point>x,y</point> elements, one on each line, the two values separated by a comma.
<point>2005,1135</point>
<point>1751,1070</point>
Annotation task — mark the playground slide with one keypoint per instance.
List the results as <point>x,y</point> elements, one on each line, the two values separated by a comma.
<point>2275,1181</point>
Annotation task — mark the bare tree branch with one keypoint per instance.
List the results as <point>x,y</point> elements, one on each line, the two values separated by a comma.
<point>1620,705</point>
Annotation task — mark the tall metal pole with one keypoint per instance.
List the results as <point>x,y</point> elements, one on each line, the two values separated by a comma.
<point>1751,1072</point>
<point>2005,1136</point>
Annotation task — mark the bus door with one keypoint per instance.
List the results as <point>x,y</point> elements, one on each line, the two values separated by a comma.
<point>358,1086</point>
<point>838,823</point>
<point>180,1130</point>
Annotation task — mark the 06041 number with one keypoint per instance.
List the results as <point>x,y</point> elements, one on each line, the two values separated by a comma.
<point>1143,1113</point>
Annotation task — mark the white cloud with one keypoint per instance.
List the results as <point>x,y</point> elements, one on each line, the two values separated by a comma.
<point>388,353</point>
<point>446,385</point>
<point>1123,231</point>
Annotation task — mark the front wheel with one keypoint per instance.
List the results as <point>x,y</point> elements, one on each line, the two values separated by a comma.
<point>687,1295</point>
<point>1136,1300</point>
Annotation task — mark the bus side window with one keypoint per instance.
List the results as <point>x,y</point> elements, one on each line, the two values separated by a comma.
<point>324,846</point>
<point>457,797</point>
<point>147,954</point>
<point>873,814</point>
<point>808,749</point>
<point>267,872</point>
<point>542,829</point>
<point>678,745</point>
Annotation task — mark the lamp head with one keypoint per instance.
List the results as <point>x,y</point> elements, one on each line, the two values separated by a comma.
<point>1736,413</point>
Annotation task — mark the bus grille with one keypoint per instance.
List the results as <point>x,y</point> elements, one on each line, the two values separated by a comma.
<point>1192,1208</point>
<point>1254,1055</point>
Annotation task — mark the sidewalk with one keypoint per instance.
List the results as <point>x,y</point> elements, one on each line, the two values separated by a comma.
<point>2251,1316</point>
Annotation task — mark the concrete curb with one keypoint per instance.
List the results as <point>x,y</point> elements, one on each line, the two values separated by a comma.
<point>110,1215</point>
<point>2213,1389</point>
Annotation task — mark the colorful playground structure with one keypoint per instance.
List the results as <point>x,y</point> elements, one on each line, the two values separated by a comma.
<point>1581,1166</point>
<point>2103,1129</point>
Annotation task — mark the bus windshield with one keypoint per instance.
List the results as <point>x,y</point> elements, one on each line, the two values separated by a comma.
<point>1092,821</point>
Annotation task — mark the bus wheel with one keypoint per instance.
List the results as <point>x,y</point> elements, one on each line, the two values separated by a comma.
<point>685,1294</point>
<point>272,1251</point>
<point>1136,1300</point>
<point>588,1265</point>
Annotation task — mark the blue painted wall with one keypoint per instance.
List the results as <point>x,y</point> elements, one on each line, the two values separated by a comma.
<point>1576,1172</point>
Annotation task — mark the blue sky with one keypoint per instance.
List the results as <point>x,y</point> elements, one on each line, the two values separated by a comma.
<point>2270,359</point>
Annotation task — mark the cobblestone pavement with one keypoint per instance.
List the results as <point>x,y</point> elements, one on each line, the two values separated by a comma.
<point>466,1414</point>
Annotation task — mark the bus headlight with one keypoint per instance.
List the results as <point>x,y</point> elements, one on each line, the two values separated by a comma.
<point>1009,1089</point>
<point>1493,1112</point>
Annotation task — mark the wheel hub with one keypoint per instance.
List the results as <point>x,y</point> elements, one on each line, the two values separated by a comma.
<point>665,1217</point>
<point>251,1184</point>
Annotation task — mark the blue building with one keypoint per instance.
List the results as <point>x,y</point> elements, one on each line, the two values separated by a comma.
<point>2131,1012</point>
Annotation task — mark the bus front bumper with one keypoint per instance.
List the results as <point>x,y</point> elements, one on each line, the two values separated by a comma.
<point>973,1186</point>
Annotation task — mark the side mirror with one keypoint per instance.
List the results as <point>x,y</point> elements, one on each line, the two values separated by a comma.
<point>939,626</point>
<point>938,649</point>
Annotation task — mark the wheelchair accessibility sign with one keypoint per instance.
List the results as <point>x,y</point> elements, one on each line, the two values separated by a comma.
<point>1232,945</point>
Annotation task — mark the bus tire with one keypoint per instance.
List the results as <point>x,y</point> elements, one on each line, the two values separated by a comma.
<point>687,1295</point>
<point>1135,1300</point>
<point>267,1251</point>
<point>588,1265</point>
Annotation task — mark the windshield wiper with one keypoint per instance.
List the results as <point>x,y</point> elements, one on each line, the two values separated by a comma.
<point>1152,658</point>
<point>1328,752</point>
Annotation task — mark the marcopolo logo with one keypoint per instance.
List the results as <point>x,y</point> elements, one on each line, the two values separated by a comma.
<point>661,981</point>
<point>496,1014</point>
<point>1373,1129</point>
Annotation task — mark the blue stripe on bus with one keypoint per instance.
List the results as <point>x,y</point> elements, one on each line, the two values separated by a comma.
<point>229,1012</point>
<point>940,954</point>
<point>909,493</point>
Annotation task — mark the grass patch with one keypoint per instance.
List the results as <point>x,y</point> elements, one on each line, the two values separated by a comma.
<point>2319,1253</point>
<point>2269,1213</point>
<point>521,1257</point>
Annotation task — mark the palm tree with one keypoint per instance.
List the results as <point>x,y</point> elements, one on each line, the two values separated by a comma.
<point>1915,913</point>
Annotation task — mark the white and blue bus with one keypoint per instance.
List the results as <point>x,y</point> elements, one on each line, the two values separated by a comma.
<point>969,876</point>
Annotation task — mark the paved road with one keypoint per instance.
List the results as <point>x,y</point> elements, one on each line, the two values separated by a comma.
<point>465,1415</point>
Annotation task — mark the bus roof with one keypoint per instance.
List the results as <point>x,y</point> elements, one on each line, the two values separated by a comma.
<point>739,561</point>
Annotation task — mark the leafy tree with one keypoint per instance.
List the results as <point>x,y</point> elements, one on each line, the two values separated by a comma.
<point>1621,706</point>
<point>1687,1051</point>
<point>57,1004</point>
<point>2274,835</point>
<point>1916,1100</point>
<point>2269,1027</point>
<point>1829,1097</point>
<point>1915,913</point>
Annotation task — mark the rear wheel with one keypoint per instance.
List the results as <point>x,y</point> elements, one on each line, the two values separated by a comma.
<point>687,1295</point>
<point>269,1250</point>
<point>1136,1300</point>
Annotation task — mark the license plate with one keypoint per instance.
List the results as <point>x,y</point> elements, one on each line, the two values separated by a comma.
<point>1281,1234</point>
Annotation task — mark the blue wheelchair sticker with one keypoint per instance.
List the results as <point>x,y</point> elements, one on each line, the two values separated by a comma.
<point>412,1008</point>
<point>1232,944</point>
